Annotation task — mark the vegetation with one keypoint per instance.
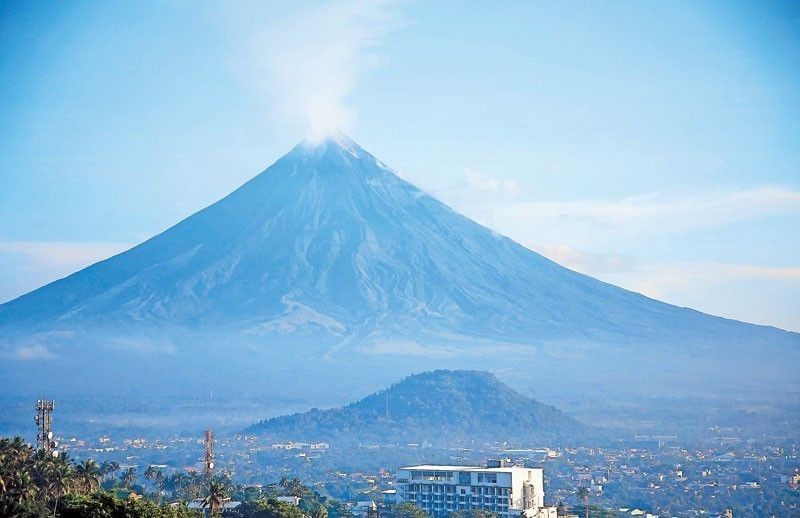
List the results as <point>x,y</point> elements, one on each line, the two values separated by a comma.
<point>36,483</point>
<point>592,511</point>
<point>269,508</point>
<point>217,494</point>
<point>105,504</point>
<point>474,513</point>
<point>433,406</point>
<point>408,510</point>
<point>583,493</point>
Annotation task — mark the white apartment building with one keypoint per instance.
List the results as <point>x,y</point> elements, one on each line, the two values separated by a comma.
<point>500,487</point>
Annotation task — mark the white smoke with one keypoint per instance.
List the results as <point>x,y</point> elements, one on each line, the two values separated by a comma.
<point>310,61</point>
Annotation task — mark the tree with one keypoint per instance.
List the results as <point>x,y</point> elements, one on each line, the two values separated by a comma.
<point>88,476</point>
<point>103,504</point>
<point>583,494</point>
<point>109,468</point>
<point>150,472</point>
<point>408,510</point>
<point>473,513</point>
<point>269,508</point>
<point>128,477</point>
<point>193,484</point>
<point>58,483</point>
<point>22,473</point>
<point>293,487</point>
<point>216,496</point>
<point>160,481</point>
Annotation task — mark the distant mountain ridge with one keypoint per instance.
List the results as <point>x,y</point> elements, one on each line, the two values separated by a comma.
<point>441,407</point>
<point>327,265</point>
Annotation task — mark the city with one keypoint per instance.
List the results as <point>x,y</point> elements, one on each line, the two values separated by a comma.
<point>398,259</point>
<point>651,474</point>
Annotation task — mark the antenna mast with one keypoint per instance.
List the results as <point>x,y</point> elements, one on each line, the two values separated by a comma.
<point>44,421</point>
<point>208,461</point>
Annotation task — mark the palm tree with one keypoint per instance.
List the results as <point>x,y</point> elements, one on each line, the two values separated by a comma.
<point>128,477</point>
<point>150,472</point>
<point>109,468</point>
<point>193,484</point>
<point>88,475</point>
<point>59,483</point>
<point>160,481</point>
<point>154,474</point>
<point>583,494</point>
<point>216,496</point>
<point>178,482</point>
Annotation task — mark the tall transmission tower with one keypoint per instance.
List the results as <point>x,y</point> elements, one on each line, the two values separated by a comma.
<point>44,421</point>
<point>208,460</point>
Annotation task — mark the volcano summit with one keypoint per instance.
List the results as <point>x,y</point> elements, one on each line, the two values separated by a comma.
<point>329,268</point>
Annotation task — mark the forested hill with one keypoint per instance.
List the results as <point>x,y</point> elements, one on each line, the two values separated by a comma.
<point>440,407</point>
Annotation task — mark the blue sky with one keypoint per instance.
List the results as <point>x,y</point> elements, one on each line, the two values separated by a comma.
<point>652,145</point>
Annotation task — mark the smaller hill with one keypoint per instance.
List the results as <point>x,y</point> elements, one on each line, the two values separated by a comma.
<point>441,407</point>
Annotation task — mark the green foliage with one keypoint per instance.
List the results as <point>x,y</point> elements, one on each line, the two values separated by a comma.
<point>338,510</point>
<point>408,510</point>
<point>32,481</point>
<point>104,505</point>
<point>293,487</point>
<point>35,484</point>
<point>594,511</point>
<point>269,508</point>
<point>217,494</point>
<point>432,406</point>
<point>473,513</point>
<point>314,505</point>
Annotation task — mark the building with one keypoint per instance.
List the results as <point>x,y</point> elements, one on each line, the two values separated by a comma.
<point>200,504</point>
<point>500,487</point>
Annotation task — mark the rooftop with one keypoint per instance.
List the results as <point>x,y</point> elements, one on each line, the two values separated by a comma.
<point>435,467</point>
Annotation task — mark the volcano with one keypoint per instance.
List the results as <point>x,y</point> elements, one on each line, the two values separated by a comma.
<point>328,265</point>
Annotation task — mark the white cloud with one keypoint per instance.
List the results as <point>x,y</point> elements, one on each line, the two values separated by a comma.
<point>656,280</point>
<point>483,182</point>
<point>590,220</point>
<point>310,64</point>
<point>752,293</point>
<point>595,225</point>
<point>32,352</point>
<point>142,345</point>
<point>583,261</point>
<point>28,265</point>
<point>613,239</point>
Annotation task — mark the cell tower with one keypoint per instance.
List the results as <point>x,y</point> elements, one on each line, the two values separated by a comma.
<point>44,421</point>
<point>208,461</point>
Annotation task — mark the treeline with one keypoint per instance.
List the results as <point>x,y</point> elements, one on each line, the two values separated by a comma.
<point>37,484</point>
